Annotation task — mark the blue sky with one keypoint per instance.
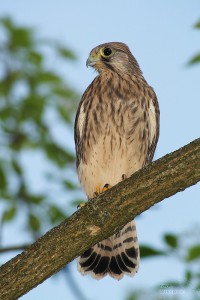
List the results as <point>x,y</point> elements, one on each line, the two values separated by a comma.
<point>161,37</point>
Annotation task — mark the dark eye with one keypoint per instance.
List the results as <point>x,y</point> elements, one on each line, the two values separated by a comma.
<point>107,51</point>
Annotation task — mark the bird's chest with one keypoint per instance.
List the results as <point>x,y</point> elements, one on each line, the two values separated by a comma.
<point>106,130</point>
<point>107,152</point>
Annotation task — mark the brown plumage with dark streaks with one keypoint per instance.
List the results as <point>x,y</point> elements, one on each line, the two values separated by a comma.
<point>116,132</point>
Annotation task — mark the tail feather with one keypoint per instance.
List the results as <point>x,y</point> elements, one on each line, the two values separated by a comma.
<point>116,256</point>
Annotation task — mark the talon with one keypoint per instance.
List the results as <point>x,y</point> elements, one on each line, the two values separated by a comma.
<point>106,187</point>
<point>124,176</point>
<point>98,191</point>
<point>80,205</point>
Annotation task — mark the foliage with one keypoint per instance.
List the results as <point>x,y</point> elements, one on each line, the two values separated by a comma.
<point>185,248</point>
<point>196,58</point>
<point>34,100</point>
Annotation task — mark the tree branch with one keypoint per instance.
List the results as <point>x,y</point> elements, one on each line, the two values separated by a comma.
<point>99,219</point>
<point>14,248</point>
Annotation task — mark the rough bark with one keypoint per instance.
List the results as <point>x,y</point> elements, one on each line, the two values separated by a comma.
<point>100,218</point>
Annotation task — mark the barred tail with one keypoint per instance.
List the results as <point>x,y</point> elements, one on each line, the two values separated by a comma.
<point>115,256</point>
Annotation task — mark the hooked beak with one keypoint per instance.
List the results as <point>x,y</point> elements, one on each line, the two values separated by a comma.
<point>91,61</point>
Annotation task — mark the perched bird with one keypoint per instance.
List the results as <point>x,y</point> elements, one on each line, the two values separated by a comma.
<point>116,132</point>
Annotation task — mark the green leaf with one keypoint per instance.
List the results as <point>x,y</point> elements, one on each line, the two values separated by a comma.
<point>146,251</point>
<point>32,108</point>
<point>69,185</point>
<point>197,25</point>
<point>7,22</point>
<point>36,199</point>
<point>64,114</point>
<point>66,53</point>
<point>35,57</point>
<point>17,140</point>
<point>56,214</point>
<point>65,92</point>
<point>171,240</point>
<point>48,77</point>
<point>34,222</point>
<point>17,167</point>
<point>169,285</point>
<point>132,296</point>
<point>3,180</point>
<point>20,37</point>
<point>58,155</point>
<point>195,59</point>
<point>188,278</point>
<point>193,253</point>
<point>9,214</point>
<point>197,288</point>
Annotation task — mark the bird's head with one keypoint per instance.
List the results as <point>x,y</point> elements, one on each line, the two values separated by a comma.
<point>114,57</point>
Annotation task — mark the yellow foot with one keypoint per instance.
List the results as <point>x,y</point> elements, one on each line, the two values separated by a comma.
<point>81,205</point>
<point>97,191</point>
<point>100,190</point>
<point>106,187</point>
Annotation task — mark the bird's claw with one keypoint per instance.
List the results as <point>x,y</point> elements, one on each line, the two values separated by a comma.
<point>100,190</point>
<point>80,205</point>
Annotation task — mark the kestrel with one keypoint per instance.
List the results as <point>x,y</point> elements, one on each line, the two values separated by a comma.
<point>116,132</point>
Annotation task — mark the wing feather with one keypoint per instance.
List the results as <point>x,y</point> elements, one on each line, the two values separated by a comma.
<point>154,120</point>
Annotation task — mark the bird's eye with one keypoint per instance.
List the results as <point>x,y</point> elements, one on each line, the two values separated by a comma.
<point>107,52</point>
